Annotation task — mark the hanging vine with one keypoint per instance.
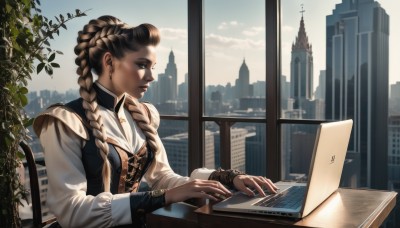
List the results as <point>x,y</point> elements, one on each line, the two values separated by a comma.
<point>24,38</point>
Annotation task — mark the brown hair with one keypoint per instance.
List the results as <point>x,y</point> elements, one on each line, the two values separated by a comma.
<point>109,34</point>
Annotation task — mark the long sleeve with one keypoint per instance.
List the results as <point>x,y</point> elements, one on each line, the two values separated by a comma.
<point>67,197</point>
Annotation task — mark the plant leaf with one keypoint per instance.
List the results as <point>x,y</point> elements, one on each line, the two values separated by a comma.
<point>40,67</point>
<point>20,155</point>
<point>23,99</point>
<point>23,90</point>
<point>28,122</point>
<point>55,65</point>
<point>51,58</point>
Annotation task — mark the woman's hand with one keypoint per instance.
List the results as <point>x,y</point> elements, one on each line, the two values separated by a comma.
<point>243,182</point>
<point>203,189</point>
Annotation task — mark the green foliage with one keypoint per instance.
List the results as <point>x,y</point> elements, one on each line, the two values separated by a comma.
<point>25,35</point>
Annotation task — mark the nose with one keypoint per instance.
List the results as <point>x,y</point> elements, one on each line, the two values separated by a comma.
<point>149,75</point>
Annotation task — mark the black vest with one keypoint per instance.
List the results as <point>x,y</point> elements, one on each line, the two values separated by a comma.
<point>91,158</point>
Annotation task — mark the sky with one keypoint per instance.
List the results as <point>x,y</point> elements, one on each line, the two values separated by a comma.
<point>234,32</point>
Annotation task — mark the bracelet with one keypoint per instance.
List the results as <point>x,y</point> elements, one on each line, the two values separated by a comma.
<point>145,202</point>
<point>225,176</point>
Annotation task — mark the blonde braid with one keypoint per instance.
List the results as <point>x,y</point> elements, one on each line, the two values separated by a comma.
<point>142,120</point>
<point>94,34</point>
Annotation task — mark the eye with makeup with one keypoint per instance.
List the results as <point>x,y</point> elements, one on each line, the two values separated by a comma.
<point>145,65</point>
<point>141,65</point>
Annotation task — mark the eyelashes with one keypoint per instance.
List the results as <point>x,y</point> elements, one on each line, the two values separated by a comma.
<point>144,66</point>
<point>141,65</point>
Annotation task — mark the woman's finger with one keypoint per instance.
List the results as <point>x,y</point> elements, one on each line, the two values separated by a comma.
<point>211,187</point>
<point>253,183</point>
<point>270,185</point>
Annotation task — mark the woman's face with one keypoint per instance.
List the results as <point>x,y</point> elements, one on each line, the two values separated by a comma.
<point>134,72</point>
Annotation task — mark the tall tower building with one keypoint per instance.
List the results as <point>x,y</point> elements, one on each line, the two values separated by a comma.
<point>171,71</point>
<point>165,86</point>
<point>301,68</point>
<point>320,90</point>
<point>238,148</point>
<point>177,147</point>
<point>394,149</point>
<point>357,54</point>
<point>394,101</point>
<point>243,82</point>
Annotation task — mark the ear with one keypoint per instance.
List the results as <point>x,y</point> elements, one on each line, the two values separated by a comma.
<point>107,61</point>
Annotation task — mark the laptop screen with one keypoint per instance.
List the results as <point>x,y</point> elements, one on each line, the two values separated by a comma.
<point>327,162</point>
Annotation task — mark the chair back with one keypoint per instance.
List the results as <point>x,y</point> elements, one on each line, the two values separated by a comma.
<point>34,185</point>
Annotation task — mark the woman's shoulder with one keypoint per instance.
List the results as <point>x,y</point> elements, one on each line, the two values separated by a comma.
<point>153,114</point>
<point>69,114</point>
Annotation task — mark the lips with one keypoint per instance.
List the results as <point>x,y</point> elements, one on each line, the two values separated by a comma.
<point>144,87</point>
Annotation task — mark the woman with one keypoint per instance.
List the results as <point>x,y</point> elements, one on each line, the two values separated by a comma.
<point>99,147</point>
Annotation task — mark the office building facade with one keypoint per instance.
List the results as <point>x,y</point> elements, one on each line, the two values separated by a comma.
<point>357,38</point>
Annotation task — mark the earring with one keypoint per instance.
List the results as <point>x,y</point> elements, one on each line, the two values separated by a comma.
<point>110,76</point>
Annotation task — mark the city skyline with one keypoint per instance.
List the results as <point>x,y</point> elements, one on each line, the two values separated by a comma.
<point>241,32</point>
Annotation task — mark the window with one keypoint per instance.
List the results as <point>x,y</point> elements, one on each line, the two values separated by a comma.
<point>234,85</point>
<point>169,91</point>
<point>330,69</point>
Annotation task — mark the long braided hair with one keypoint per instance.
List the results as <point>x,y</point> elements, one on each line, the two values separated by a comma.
<point>109,34</point>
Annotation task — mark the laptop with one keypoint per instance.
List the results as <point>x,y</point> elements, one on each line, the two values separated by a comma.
<point>297,200</point>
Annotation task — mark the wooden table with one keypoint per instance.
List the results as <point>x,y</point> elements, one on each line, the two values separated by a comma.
<point>344,208</point>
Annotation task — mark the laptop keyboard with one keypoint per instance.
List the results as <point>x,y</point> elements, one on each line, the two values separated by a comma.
<point>292,198</point>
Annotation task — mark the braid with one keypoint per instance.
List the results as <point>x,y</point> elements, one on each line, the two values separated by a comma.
<point>87,42</point>
<point>142,121</point>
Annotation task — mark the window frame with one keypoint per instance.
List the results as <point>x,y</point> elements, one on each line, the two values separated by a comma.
<point>196,93</point>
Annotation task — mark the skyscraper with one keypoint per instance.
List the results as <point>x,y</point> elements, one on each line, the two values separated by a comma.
<point>176,147</point>
<point>242,84</point>
<point>357,39</point>
<point>320,90</point>
<point>301,68</point>
<point>171,71</point>
<point>166,85</point>
<point>238,146</point>
<point>394,149</point>
<point>394,101</point>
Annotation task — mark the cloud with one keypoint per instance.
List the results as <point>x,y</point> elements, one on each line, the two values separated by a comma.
<point>226,25</point>
<point>222,42</point>
<point>286,48</point>
<point>213,54</point>
<point>253,31</point>
<point>287,28</point>
<point>173,33</point>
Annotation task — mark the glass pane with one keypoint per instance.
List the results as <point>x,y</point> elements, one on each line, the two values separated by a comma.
<point>211,145</point>
<point>303,66</point>
<point>234,58</point>
<point>174,135</point>
<point>297,143</point>
<point>336,64</point>
<point>247,147</point>
<point>169,90</point>
<point>297,147</point>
